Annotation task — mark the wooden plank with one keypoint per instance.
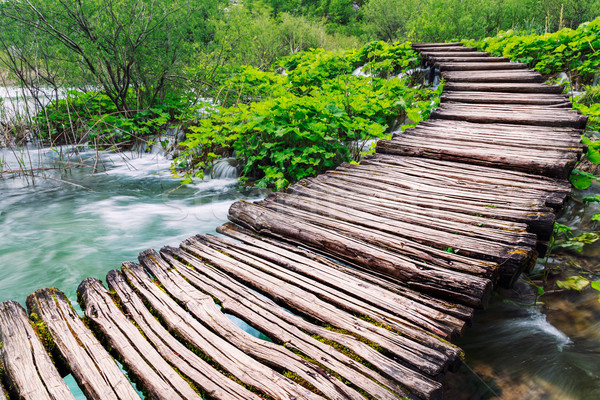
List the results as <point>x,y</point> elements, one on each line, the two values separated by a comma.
<point>454,49</point>
<point>259,242</point>
<point>156,376</point>
<point>94,370</point>
<point>496,76</point>
<point>513,130</point>
<point>263,319</point>
<point>203,307</point>
<point>229,357</point>
<point>467,289</point>
<point>387,309</point>
<point>474,59</point>
<point>399,210</point>
<point>212,382</point>
<point>503,98</point>
<point>433,53</point>
<point>522,152</point>
<point>489,155</point>
<point>419,313</point>
<point>539,222</point>
<point>455,181</point>
<point>430,232</point>
<point>523,115</point>
<point>479,66</point>
<point>223,286</point>
<point>394,237</point>
<point>28,370</point>
<point>425,45</point>
<point>512,87</point>
<point>564,144</point>
<point>433,360</point>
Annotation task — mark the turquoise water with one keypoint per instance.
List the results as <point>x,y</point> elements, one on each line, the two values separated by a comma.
<point>56,234</point>
<point>73,224</point>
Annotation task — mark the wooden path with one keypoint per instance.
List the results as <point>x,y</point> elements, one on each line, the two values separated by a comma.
<point>357,280</point>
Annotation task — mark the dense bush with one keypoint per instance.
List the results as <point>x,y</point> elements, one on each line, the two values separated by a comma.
<point>313,118</point>
<point>92,117</point>
<point>575,51</point>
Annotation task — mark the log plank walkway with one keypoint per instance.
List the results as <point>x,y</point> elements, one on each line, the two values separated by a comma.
<point>354,282</point>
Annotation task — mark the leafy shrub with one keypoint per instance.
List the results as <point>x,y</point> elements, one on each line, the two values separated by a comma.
<point>92,116</point>
<point>310,120</point>
<point>576,51</point>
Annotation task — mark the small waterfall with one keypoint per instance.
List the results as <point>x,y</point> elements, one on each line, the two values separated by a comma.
<point>359,72</point>
<point>224,168</point>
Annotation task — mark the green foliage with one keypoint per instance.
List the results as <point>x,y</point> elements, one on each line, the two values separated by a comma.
<point>573,50</point>
<point>582,180</point>
<point>576,282</point>
<point>93,116</point>
<point>596,285</point>
<point>577,243</point>
<point>288,127</point>
<point>434,20</point>
<point>115,45</point>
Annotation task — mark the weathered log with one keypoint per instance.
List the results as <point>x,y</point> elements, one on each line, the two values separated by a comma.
<point>524,115</point>
<point>364,276</point>
<point>433,359</point>
<point>426,45</point>
<point>203,307</point>
<point>226,355</point>
<point>158,379</point>
<point>513,260</point>
<point>94,370</point>
<point>496,76</point>
<point>512,87</point>
<point>496,231</point>
<point>504,98</point>
<point>263,319</point>
<point>432,53</point>
<point>474,59</point>
<point>457,286</point>
<point>344,290</point>
<point>454,49</point>
<point>525,184</point>
<point>28,370</point>
<point>517,135</point>
<point>539,219</point>
<point>360,224</point>
<point>496,191</point>
<point>479,66</point>
<point>213,383</point>
<point>330,193</point>
<point>487,155</point>
<point>235,295</point>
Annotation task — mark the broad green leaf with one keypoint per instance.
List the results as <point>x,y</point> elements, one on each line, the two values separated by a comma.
<point>576,282</point>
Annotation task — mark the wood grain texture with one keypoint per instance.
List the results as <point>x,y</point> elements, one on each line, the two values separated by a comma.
<point>28,370</point>
<point>211,278</point>
<point>478,66</point>
<point>94,370</point>
<point>511,87</point>
<point>212,382</point>
<point>408,347</point>
<point>203,307</point>
<point>157,377</point>
<point>189,329</point>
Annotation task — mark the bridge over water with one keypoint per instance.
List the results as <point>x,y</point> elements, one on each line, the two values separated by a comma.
<point>359,279</point>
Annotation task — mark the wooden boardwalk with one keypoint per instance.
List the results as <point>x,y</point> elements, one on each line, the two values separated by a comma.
<point>357,280</point>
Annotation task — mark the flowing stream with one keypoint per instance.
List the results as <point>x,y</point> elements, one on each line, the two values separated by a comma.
<point>78,223</point>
